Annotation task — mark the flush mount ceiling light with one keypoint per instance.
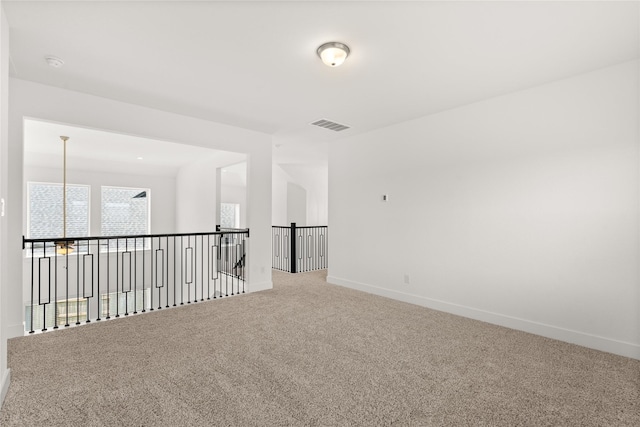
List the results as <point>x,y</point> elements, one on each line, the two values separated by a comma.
<point>333,54</point>
<point>54,61</point>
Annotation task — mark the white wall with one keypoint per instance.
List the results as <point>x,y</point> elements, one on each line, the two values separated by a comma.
<point>314,180</point>
<point>233,188</point>
<point>296,204</point>
<point>522,210</point>
<point>42,102</point>
<point>5,277</point>
<point>200,188</point>
<point>162,194</point>
<point>196,197</point>
<point>279,196</point>
<point>236,194</point>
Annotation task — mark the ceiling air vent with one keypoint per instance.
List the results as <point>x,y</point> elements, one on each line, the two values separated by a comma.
<point>328,124</point>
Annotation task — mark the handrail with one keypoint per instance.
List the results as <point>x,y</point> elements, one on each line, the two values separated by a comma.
<point>300,226</point>
<point>136,236</point>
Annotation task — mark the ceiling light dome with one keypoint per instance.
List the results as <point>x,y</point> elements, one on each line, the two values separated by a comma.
<point>54,61</point>
<point>333,54</point>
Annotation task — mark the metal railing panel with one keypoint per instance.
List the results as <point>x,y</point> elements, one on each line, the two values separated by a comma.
<point>114,276</point>
<point>299,249</point>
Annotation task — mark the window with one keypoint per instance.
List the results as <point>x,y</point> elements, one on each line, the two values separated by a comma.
<point>229,215</point>
<point>45,210</point>
<point>125,212</point>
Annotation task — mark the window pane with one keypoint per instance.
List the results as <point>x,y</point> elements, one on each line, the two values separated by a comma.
<point>229,215</point>
<point>45,210</point>
<point>125,211</point>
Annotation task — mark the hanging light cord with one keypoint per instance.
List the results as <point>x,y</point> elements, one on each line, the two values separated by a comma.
<point>64,188</point>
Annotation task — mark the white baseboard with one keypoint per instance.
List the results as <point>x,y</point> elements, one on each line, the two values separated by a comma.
<point>567,335</point>
<point>259,286</point>
<point>4,386</point>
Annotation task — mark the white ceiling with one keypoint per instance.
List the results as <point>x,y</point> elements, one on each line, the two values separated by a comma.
<point>253,64</point>
<point>94,150</point>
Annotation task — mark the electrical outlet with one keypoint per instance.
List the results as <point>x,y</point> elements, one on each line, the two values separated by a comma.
<point>406,279</point>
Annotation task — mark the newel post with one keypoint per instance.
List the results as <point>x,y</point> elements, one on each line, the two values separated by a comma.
<point>293,257</point>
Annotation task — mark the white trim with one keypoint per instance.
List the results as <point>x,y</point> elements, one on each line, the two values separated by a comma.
<point>259,286</point>
<point>4,386</point>
<point>596,342</point>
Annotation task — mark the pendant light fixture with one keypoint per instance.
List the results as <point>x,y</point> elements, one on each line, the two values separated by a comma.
<point>333,54</point>
<point>64,247</point>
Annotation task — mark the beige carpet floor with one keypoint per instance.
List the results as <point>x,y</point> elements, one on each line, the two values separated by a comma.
<point>312,354</point>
